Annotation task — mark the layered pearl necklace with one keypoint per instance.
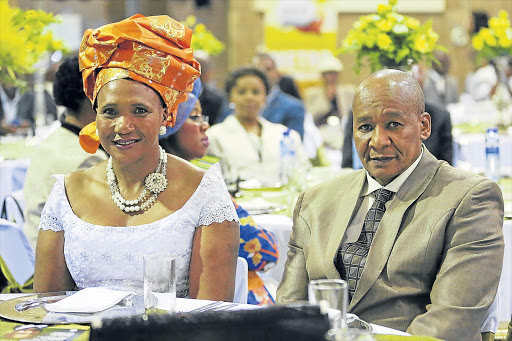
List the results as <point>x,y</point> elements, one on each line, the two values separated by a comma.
<point>154,184</point>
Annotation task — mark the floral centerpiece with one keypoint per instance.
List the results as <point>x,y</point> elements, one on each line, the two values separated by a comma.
<point>23,39</point>
<point>495,40</point>
<point>495,43</point>
<point>203,39</point>
<point>389,39</point>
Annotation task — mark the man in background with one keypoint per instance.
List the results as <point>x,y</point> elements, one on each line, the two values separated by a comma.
<point>59,153</point>
<point>280,107</point>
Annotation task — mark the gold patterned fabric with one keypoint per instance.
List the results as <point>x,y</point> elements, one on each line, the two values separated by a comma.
<point>151,50</point>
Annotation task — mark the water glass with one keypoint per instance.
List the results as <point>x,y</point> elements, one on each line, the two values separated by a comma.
<point>159,283</point>
<point>332,297</point>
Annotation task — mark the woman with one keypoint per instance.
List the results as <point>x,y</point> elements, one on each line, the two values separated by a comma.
<point>188,140</point>
<point>249,145</point>
<point>98,223</point>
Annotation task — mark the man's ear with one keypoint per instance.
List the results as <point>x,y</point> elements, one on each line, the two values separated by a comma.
<point>425,126</point>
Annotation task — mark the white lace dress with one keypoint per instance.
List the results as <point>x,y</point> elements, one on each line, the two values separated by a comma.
<point>111,256</point>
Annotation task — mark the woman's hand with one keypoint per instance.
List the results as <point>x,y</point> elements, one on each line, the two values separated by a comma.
<point>51,273</point>
<point>213,263</point>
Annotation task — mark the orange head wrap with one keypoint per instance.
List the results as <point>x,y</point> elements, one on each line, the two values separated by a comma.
<point>151,50</point>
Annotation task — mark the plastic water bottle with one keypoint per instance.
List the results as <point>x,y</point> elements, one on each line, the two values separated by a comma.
<point>492,153</point>
<point>287,157</point>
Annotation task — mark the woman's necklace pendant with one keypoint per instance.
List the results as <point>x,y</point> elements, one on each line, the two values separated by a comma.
<point>154,184</point>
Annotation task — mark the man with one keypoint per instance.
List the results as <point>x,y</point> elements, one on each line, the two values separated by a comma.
<point>280,107</point>
<point>285,83</point>
<point>59,153</point>
<point>330,102</point>
<point>439,143</point>
<point>438,86</point>
<point>436,243</point>
<point>212,99</point>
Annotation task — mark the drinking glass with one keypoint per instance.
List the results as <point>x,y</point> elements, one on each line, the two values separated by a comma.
<point>159,283</point>
<point>332,297</point>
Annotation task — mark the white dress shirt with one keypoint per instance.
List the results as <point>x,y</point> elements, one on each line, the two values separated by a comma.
<point>356,223</point>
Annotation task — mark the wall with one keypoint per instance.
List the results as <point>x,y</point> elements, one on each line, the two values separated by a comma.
<point>239,25</point>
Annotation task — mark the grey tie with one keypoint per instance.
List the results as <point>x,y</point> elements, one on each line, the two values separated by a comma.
<point>352,256</point>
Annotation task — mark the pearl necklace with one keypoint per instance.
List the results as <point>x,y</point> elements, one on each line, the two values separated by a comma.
<point>154,184</point>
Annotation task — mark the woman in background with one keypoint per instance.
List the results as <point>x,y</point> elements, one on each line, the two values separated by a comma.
<point>98,223</point>
<point>188,140</point>
<point>249,145</point>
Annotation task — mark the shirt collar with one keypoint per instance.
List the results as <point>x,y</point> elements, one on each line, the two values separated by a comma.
<point>394,186</point>
<point>273,93</point>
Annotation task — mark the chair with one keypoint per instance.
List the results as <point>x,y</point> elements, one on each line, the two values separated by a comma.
<point>241,281</point>
<point>12,208</point>
<point>17,260</point>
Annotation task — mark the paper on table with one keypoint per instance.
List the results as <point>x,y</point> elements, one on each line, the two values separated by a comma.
<point>88,300</point>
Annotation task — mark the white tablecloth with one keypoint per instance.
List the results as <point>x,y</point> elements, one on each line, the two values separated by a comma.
<point>281,226</point>
<point>470,153</point>
<point>505,289</point>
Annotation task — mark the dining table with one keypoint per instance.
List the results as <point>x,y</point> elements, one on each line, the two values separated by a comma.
<point>81,331</point>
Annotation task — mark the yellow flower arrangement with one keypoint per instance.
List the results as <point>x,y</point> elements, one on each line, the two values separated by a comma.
<point>203,39</point>
<point>389,39</point>
<point>23,39</point>
<point>495,40</point>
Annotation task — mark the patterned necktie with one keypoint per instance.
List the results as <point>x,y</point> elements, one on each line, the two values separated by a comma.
<point>352,256</point>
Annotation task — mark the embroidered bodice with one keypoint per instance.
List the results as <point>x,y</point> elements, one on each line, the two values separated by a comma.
<point>111,256</point>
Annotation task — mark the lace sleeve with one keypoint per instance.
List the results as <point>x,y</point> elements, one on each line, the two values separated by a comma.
<point>217,205</point>
<point>51,214</point>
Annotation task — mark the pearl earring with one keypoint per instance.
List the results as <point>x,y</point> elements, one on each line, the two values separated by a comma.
<point>163,130</point>
<point>97,132</point>
<point>232,106</point>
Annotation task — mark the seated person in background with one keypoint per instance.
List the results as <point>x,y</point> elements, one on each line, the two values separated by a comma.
<point>59,153</point>
<point>248,144</point>
<point>142,200</point>
<point>187,139</point>
<point>212,99</point>
<point>330,102</point>
<point>482,83</point>
<point>285,83</point>
<point>283,104</point>
<point>424,253</point>
<point>17,109</point>
<point>438,86</point>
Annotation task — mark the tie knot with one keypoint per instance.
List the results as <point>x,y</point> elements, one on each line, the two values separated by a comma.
<point>382,194</point>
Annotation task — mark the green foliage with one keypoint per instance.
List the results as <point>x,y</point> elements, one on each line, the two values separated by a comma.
<point>23,39</point>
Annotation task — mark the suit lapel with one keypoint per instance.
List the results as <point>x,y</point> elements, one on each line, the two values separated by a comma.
<point>391,223</point>
<point>347,203</point>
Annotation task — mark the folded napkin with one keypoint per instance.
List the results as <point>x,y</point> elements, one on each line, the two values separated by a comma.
<point>88,300</point>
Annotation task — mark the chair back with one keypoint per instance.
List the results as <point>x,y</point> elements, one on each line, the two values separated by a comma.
<point>12,208</point>
<point>17,260</point>
<point>241,281</point>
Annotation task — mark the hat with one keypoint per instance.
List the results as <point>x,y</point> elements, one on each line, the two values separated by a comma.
<point>185,108</point>
<point>330,63</point>
<point>151,50</point>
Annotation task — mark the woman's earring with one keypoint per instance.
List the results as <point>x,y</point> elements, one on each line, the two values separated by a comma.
<point>97,132</point>
<point>163,130</point>
<point>232,106</point>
